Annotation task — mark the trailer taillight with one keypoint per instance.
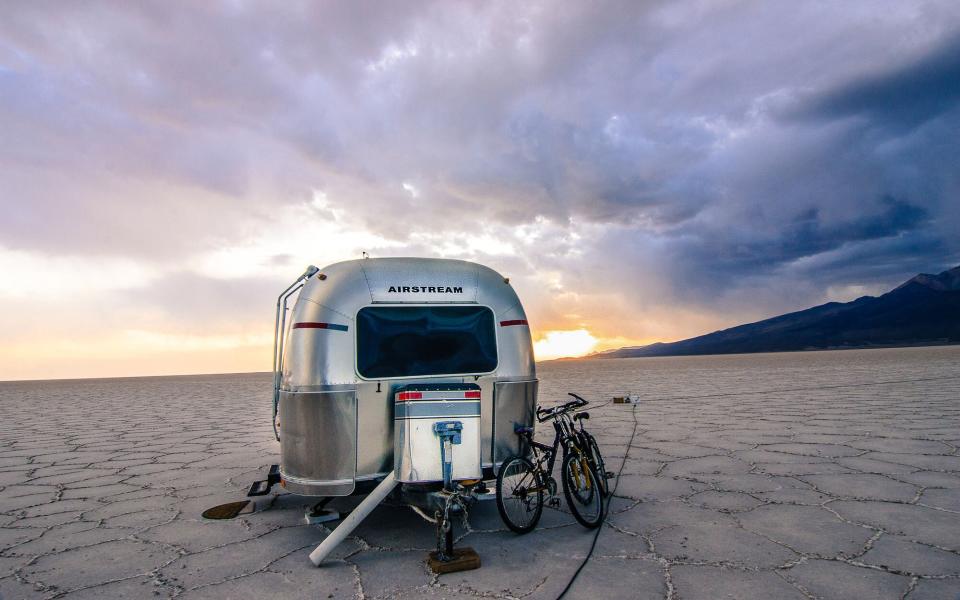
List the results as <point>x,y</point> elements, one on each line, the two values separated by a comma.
<point>439,395</point>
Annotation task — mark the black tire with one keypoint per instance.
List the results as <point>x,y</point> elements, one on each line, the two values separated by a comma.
<point>519,508</point>
<point>593,453</point>
<point>583,494</point>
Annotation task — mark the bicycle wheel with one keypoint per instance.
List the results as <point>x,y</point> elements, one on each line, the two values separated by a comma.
<point>519,494</point>
<point>580,487</point>
<point>596,459</point>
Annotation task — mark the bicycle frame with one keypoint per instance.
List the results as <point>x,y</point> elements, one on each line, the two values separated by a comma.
<point>565,432</point>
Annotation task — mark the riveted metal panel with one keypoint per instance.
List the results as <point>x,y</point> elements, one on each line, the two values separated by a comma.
<point>495,291</point>
<point>514,345</point>
<point>514,404</point>
<point>315,356</point>
<point>375,428</point>
<point>318,433</point>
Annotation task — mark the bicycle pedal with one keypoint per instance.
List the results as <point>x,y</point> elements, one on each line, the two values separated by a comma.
<point>609,474</point>
<point>553,502</point>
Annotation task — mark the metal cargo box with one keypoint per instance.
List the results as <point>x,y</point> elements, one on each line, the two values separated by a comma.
<point>417,408</point>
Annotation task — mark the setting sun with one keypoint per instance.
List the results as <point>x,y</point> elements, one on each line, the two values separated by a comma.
<point>559,344</point>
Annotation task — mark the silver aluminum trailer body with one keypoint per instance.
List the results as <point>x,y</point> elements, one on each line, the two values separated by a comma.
<point>334,409</point>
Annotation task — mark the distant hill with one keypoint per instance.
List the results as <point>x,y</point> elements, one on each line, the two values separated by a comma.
<point>924,310</point>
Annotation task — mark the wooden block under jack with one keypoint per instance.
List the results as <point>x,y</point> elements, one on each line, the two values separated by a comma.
<point>464,559</point>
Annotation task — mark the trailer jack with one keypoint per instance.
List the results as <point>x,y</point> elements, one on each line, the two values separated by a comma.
<point>446,559</point>
<point>319,513</point>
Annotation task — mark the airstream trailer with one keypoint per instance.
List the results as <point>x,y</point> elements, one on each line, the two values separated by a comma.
<point>376,350</point>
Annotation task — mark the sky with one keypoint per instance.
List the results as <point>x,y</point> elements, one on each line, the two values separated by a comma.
<point>641,171</point>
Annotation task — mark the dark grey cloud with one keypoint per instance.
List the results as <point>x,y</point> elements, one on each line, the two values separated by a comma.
<point>719,148</point>
<point>810,233</point>
<point>900,97</point>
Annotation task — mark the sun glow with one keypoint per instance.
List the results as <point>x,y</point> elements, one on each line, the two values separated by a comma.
<point>560,344</point>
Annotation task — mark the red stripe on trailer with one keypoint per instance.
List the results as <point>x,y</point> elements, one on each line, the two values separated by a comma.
<point>404,396</point>
<point>514,322</point>
<point>313,325</point>
<point>473,394</point>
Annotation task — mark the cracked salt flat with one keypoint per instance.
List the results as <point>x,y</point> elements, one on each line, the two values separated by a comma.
<point>809,475</point>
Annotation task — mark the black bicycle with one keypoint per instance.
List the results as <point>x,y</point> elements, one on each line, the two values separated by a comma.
<point>523,482</point>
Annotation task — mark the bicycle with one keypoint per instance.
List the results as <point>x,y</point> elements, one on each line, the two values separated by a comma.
<point>521,482</point>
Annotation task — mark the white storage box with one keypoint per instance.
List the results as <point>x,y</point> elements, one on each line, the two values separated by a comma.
<point>417,447</point>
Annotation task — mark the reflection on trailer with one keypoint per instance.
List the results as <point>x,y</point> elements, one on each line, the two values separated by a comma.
<point>375,353</point>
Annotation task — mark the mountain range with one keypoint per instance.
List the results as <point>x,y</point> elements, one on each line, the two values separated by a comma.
<point>923,310</point>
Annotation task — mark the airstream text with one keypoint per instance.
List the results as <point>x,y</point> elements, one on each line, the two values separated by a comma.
<point>433,289</point>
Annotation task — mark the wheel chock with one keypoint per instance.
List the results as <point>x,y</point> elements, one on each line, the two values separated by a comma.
<point>463,559</point>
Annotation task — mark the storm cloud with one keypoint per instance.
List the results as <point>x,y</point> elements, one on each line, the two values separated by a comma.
<point>722,159</point>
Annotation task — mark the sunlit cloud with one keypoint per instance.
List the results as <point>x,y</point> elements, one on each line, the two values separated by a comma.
<point>30,274</point>
<point>310,233</point>
<point>410,189</point>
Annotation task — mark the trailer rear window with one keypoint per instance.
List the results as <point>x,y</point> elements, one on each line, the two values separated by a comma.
<point>411,341</point>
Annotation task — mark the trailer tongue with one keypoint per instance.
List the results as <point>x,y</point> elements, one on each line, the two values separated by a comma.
<point>353,519</point>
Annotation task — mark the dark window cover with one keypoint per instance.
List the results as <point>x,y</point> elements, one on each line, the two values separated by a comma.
<point>412,341</point>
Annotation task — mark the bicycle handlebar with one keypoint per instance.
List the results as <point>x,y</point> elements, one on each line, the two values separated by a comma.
<point>547,413</point>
